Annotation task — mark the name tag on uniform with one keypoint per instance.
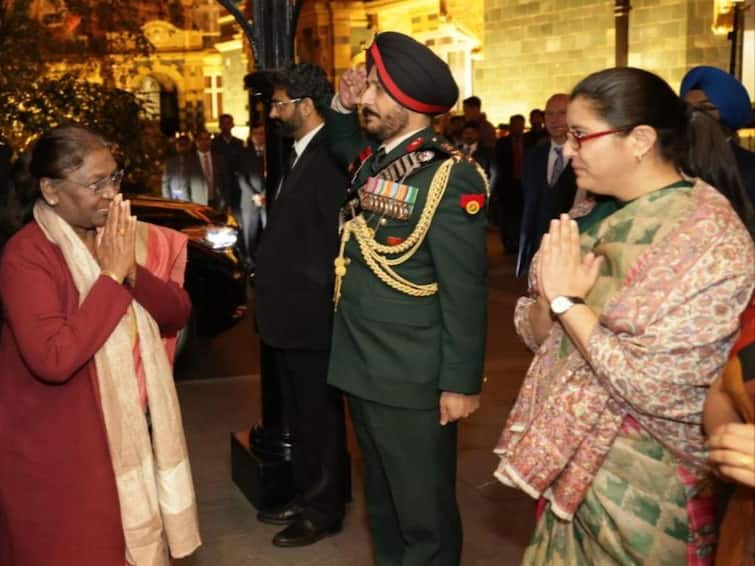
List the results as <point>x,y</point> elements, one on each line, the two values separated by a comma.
<point>388,198</point>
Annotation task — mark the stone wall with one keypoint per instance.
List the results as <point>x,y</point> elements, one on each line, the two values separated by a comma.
<point>470,14</point>
<point>670,36</point>
<point>535,48</point>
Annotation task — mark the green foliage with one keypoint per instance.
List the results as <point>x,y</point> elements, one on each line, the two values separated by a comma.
<point>43,71</point>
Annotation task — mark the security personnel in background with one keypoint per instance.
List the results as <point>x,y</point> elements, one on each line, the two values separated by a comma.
<point>410,297</point>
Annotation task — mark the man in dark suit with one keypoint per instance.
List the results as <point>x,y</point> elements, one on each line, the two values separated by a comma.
<point>231,149</point>
<point>471,147</point>
<point>472,107</point>
<point>507,190</point>
<point>726,99</point>
<point>196,175</point>
<point>548,182</point>
<point>410,325</point>
<point>251,179</point>
<point>537,131</point>
<point>226,144</point>
<point>294,309</point>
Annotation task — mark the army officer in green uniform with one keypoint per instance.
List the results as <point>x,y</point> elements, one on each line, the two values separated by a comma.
<point>410,297</point>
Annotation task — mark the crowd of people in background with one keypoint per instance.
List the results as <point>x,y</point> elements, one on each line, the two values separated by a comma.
<point>628,208</point>
<point>223,171</point>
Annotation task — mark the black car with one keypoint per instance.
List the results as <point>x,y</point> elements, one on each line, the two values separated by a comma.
<point>215,276</point>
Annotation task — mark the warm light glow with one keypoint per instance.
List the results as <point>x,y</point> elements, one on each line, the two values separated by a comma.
<point>723,13</point>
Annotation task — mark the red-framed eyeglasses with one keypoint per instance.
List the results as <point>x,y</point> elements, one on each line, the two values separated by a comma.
<point>576,139</point>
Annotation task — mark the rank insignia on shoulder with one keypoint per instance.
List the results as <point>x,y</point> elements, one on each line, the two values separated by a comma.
<point>388,198</point>
<point>472,204</point>
<point>415,144</point>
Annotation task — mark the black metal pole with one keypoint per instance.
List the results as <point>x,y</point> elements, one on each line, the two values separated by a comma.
<point>262,468</point>
<point>735,35</point>
<point>271,35</point>
<point>621,16</point>
<point>246,26</point>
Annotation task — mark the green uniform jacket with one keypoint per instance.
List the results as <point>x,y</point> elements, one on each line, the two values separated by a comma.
<point>400,350</point>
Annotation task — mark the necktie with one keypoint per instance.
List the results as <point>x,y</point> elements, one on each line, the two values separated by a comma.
<point>558,165</point>
<point>207,168</point>
<point>289,165</point>
<point>291,160</point>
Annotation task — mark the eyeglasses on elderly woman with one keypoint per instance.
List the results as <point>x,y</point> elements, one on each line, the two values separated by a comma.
<point>113,180</point>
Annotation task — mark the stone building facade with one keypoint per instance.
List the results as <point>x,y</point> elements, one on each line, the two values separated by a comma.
<point>515,53</point>
<point>533,49</point>
<point>511,53</point>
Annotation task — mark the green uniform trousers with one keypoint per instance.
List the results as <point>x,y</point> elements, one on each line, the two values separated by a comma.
<point>409,484</point>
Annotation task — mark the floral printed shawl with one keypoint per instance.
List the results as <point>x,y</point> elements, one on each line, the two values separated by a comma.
<point>678,272</point>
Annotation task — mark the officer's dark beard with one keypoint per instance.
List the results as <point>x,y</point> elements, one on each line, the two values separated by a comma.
<point>387,125</point>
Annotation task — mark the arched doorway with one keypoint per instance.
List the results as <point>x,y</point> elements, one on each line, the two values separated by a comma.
<point>159,97</point>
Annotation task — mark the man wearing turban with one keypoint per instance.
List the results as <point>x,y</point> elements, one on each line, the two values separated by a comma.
<point>410,297</point>
<point>726,99</point>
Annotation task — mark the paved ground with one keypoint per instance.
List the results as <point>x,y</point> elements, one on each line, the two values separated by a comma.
<point>497,520</point>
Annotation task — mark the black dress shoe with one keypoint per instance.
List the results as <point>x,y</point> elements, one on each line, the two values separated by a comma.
<point>281,516</point>
<point>303,532</point>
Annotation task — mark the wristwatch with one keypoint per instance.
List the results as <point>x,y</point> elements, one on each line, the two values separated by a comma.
<point>562,303</point>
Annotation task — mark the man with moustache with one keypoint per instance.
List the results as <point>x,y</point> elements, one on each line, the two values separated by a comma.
<point>548,182</point>
<point>725,98</point>
<point>294,281</point>
<point>410,297</point>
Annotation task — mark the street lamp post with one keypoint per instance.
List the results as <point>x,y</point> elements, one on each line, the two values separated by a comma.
<point>621,11</point>
<point>735,35</point>
<point>261,458</point>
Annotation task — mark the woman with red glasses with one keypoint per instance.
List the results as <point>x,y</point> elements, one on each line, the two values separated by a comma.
<point>93,463</point>
<point>633,310</point>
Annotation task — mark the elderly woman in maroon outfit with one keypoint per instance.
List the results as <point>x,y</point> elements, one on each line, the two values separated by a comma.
<point>89,296</point>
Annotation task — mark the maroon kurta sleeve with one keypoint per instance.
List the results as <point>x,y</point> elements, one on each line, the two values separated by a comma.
<point>166,301</point>
<point>54,344</point>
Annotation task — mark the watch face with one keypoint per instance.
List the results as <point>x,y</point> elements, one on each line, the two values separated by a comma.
<point>560,305</point>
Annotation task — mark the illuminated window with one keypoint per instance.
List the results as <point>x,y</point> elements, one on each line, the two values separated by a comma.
<point>213,96</point>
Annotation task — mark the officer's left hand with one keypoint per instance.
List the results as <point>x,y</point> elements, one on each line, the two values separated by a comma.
<point>455,406</point>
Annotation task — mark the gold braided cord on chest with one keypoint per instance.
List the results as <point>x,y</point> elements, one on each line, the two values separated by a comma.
<point>375,254</point>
